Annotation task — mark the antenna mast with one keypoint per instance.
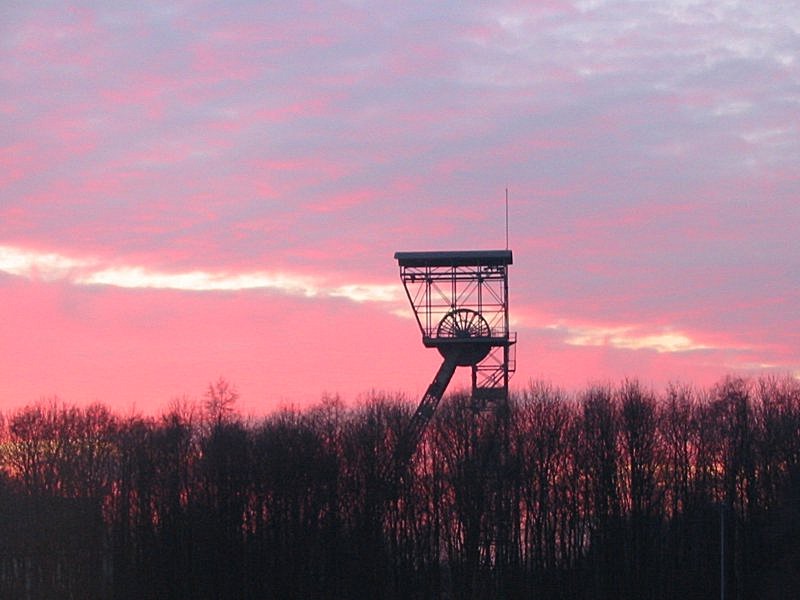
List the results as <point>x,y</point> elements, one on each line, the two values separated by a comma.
<point>506,218</point>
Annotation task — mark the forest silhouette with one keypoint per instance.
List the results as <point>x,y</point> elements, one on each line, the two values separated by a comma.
<point>612,492</point>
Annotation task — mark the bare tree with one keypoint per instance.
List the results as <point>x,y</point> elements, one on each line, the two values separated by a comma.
<point>220,398</point>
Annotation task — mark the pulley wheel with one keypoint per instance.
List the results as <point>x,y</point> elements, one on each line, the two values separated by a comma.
<point>456,329</point>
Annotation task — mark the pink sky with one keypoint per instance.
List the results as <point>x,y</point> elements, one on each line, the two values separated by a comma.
<point>195,190</point>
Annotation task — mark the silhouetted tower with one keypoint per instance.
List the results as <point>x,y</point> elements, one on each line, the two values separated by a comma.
<point>460,301</point>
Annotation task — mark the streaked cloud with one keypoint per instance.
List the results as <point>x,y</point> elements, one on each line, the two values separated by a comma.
<point>629,338</point>
<point>367,292</point>
<point>39,265</point>
<point>49,266</point>
<point>198,281</point>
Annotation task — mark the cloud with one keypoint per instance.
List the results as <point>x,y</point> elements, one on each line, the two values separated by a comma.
<point>38,265</point>
<point>49,266</point>
<point>198,281</point>
<point>366,292</point>
<point>629,338</point>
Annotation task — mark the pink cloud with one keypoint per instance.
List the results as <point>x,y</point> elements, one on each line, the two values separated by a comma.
<point>322,167</point>
<point>576,367</point>
<point>52,36</point>
<point>16,162</point>
<point>67,134</point>
<point>302,108</point>
<point>221,63</point>
<point>342,201</point>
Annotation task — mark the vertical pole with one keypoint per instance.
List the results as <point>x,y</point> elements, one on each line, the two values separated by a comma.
<point>506,357</point>
<point>428,301</point>
<point>506,218</point>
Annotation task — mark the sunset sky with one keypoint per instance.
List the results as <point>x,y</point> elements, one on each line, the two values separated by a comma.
<point>194,190</point>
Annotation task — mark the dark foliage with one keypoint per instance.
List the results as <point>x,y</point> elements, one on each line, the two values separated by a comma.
<point>614,493</point>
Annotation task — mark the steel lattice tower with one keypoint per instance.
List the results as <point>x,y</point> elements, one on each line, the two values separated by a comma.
<point>460,301</point>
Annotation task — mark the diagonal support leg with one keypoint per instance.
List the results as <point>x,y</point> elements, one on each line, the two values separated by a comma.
<point>412,434</point>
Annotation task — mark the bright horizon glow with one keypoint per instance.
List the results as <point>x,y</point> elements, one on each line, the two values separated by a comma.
<point>51,266</point>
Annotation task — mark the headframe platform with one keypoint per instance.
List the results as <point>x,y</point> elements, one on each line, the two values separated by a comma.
<point>460,301</point>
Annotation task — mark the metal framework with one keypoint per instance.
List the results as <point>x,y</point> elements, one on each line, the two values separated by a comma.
<point>460,301</point>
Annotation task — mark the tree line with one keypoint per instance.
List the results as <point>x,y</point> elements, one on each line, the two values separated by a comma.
<point>612,492</point>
